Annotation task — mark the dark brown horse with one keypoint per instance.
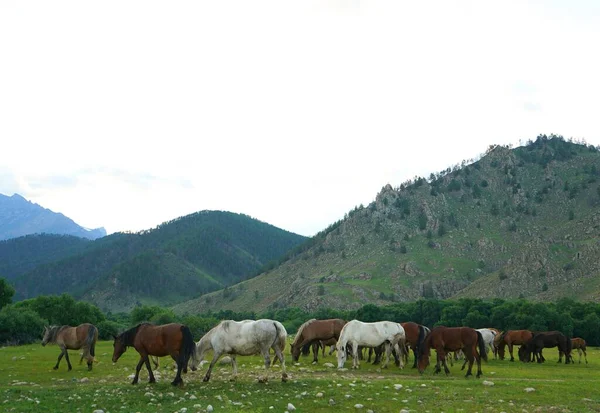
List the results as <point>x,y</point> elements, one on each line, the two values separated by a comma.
<point>511,338</point>
<point>444,339</point>
<point>73,338</point>
<point>173,340</point>
<point>547,339</point>
<point>580,345</point>
<point>315,330</point>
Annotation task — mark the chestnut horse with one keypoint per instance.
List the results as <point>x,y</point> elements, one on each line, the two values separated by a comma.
<point>511,338</point>
<point>445,339</point>
<point>173,340</point>
<point>580,345</point>
<point>73,338</point>
<point>313,331</point>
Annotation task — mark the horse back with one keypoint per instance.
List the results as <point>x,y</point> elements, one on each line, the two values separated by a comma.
<point>159,340</point>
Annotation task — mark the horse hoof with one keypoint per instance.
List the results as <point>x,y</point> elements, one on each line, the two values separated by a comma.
<point>55,368</point>
<point>152,380</point>
<point>134,382</point>
<point>206,379</point>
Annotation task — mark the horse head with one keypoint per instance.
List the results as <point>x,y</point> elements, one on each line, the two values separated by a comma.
<point>295,351</point>
<point>119,348</point>
<point>341,355</point>
<point>46,336</point>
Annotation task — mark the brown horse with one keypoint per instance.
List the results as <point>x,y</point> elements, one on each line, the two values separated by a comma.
<point>73,338</point>
<point>415,335</point>
<point>315,330</point>
<point>173,340</point>
<point>511,338</point>
<point>580,345</point>
<point>546,339</point>
<point>444,339</point>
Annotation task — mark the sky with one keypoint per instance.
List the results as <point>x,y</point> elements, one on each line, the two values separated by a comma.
<point>126,114</point>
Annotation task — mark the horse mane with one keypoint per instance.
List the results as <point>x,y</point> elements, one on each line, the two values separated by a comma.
<point>299,333</point>
<point>128,336</point>
<point>53,332</point>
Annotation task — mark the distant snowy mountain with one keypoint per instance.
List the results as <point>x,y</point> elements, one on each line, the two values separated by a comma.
<point>19,217</point>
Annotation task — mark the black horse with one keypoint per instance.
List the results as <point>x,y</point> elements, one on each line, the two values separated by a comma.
<point>532,349</point>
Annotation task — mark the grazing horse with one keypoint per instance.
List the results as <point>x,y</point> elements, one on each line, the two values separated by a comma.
<point>313,331</point>
<point>415,335</point>
<point>580,345</point>
<point>444,339</point>
<point>511,338</point>
<point>546,339</point>
<point>173,340</point>
<point>356,333</point>
<point>73,338</point>
<point>243,338</point>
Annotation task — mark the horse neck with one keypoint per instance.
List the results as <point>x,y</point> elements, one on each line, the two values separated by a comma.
<point>128,336</point>
<point>204,344</point>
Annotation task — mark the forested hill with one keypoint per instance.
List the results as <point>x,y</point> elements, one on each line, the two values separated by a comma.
<point>178,260</point>
<point>521,222</point>
<point>23,254</point>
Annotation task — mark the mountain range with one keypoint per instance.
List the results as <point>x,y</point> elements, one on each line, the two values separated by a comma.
<point>19,217</point>
<point>175,261</point>
<point>522,222</point>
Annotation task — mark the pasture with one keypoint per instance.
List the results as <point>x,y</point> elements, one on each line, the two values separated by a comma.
<point>28,384</point>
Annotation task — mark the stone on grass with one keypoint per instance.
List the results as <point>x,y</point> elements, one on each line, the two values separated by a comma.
<point>358,406</point>
<point>330,365</point>
<point>529,389</point>
<point>291,407</point>
<point>487,383</point>
<point>209,408</point>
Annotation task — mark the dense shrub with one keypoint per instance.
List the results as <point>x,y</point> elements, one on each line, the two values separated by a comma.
<point>20,326</point>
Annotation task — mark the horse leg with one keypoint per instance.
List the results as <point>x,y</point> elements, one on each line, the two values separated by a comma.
<point>468,352</point>
<point>137,370</point>
<point>464,364</point>
<point>478,359</point>
<point>315,349</point>
<point>216,357</point>
<point>355,360</point>
<point>67,358</point>
<point>584,353</point>
<point>400,352</point>
<point>510,350</point>
<point>60,356</point>
<point>234,365</point>
<point>371,350</point>
<point>150,374</point>
<point>180,367</point>
<point>279,355</point>
<point>387,349</point>
<point>267,356</point>
<point>331,350</point>
<point>415,354</point>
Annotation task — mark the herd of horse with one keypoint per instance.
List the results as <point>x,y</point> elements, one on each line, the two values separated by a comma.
<point>349,339</point>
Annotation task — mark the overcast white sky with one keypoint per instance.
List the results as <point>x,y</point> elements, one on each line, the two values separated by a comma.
<point>125,114</point>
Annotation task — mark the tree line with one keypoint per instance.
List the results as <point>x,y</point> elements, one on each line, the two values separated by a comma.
<point>23,322</point>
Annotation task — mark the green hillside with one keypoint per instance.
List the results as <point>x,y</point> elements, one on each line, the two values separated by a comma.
<point>521,222</point>
<point>178,260</point>
<point>23,254</point>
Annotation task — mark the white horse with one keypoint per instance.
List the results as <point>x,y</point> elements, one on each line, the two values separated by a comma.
<point>356,333</point>
<point>243,338</point>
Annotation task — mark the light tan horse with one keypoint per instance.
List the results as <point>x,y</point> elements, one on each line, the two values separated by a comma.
<point>73,338</point>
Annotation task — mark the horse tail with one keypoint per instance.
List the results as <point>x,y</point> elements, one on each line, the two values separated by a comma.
<point>420,340</point>
<point>276,335</point>
<point>481,345</point>
<point>569,347</point>
<point>187,348</point>
<point>90,340</point>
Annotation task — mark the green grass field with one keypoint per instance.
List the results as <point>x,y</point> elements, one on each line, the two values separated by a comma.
<point>28,384</point>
